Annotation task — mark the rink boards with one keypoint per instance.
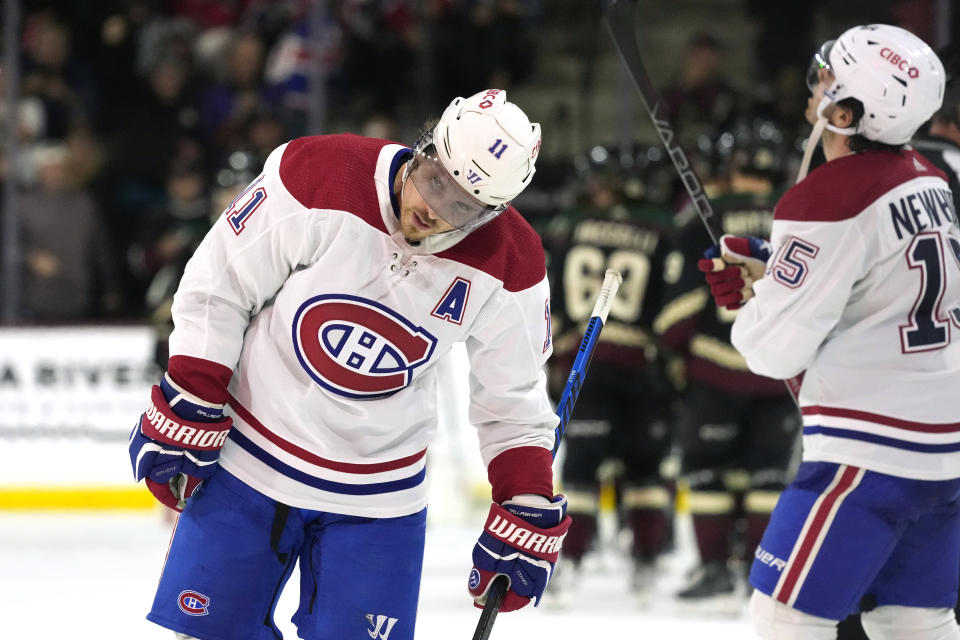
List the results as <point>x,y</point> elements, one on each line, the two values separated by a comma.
<point>68,399</point>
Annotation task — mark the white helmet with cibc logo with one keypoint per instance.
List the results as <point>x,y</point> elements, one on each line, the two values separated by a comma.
<point>893,73</point>
<point>487,147</point>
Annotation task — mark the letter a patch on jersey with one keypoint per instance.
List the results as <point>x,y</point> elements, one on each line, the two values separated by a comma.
<point>454,302</point>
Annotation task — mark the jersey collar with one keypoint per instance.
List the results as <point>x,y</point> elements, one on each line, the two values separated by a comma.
<point>396,164</point>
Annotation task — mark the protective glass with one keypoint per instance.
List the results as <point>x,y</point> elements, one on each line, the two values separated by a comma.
<point>442,193</point>
<point>821,60</point>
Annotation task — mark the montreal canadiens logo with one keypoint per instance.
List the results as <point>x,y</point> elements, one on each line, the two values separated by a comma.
<point>358,348</point>
<point>193,603</point>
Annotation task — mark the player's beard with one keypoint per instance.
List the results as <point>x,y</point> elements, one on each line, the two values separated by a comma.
<point>413,232</point>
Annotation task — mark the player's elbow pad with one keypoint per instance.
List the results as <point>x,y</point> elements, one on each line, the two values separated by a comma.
<point>772,366</point>
<point>778,359</point>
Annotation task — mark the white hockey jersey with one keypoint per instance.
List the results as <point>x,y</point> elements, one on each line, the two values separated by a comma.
<point>331,324</point>
<point>863,293</point>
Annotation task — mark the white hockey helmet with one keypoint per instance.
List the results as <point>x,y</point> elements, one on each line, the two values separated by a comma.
<point>893,73</point>
<point>485,146</point>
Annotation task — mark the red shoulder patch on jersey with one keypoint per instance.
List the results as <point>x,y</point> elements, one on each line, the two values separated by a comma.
<point>334,172</point>
<point>507,248</point>
<point>843,188</point>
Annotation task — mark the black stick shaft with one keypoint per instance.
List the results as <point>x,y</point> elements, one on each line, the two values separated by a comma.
<point>620,20</point>
<point>490,609</point>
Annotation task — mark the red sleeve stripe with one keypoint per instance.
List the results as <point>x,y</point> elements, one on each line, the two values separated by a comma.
<point>306,456</point>
<point>205,379</point>
<point>908,425</point>
<point>521,470</point>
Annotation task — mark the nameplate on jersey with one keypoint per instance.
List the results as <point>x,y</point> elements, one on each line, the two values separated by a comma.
<point>358,348</point>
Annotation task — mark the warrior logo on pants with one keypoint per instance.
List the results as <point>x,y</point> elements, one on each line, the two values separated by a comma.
<point>377,623</point>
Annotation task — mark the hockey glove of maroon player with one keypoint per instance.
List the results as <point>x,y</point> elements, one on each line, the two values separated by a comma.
<point>176,443</point>
<point>732,268</point>
<point>521,541</point>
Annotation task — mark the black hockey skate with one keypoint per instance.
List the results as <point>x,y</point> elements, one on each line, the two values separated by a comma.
<point>712,588</point>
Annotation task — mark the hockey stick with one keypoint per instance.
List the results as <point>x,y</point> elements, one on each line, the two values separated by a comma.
<point>621,21</point>
<point>608,290</point>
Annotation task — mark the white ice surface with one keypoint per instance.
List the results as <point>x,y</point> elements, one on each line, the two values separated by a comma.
<point>79,577</point>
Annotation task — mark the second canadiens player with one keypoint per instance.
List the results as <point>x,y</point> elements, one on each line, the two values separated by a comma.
<point>301,384</point>
<point>862,293</point>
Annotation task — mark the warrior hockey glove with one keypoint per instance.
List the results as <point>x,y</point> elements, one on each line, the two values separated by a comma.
<point>522,542</point>
<point>732,268</point>
<point>175,444</point>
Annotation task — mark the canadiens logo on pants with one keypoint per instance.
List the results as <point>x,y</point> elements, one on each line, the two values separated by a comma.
<point>193,603</point>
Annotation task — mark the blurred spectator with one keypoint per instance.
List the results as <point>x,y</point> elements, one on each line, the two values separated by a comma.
<point>209,13</point>
<point>163,118</point>
<point>68,273</point>
<point>162,39</point>
<point>261,133</point>
<point>700,100</point>
<point>86,155</point>
<point>178,230</point>
<point>379,53</point>
<point>235,98</point>
<point>481,43</point>
<point>62,83</point>
<point>160,129</point>
<point>381,126</point>
<point>168,229</point>
<point>784,38</point>
<point>290,67</point>
<point>31,121</point>
<point>231,179</point>
<point>31,126</point>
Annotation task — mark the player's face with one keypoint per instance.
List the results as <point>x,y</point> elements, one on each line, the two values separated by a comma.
<point>440,191</point>
<point>417,219</point>
<point>824,80</point>
<point>819,78</point>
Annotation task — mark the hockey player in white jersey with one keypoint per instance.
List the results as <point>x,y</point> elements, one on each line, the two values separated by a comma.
<point>859,292</point>
<point>300,391</point>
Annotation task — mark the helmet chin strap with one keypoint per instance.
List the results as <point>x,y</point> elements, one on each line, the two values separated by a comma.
<point>817,132</point>
<point>846,131</point>
<point>812,142</point>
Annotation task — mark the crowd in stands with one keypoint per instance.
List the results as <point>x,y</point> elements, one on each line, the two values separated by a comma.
<point>140,119</point>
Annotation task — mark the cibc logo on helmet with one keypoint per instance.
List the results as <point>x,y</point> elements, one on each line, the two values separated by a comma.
<point>899,61</point>
<point>488,97</point>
